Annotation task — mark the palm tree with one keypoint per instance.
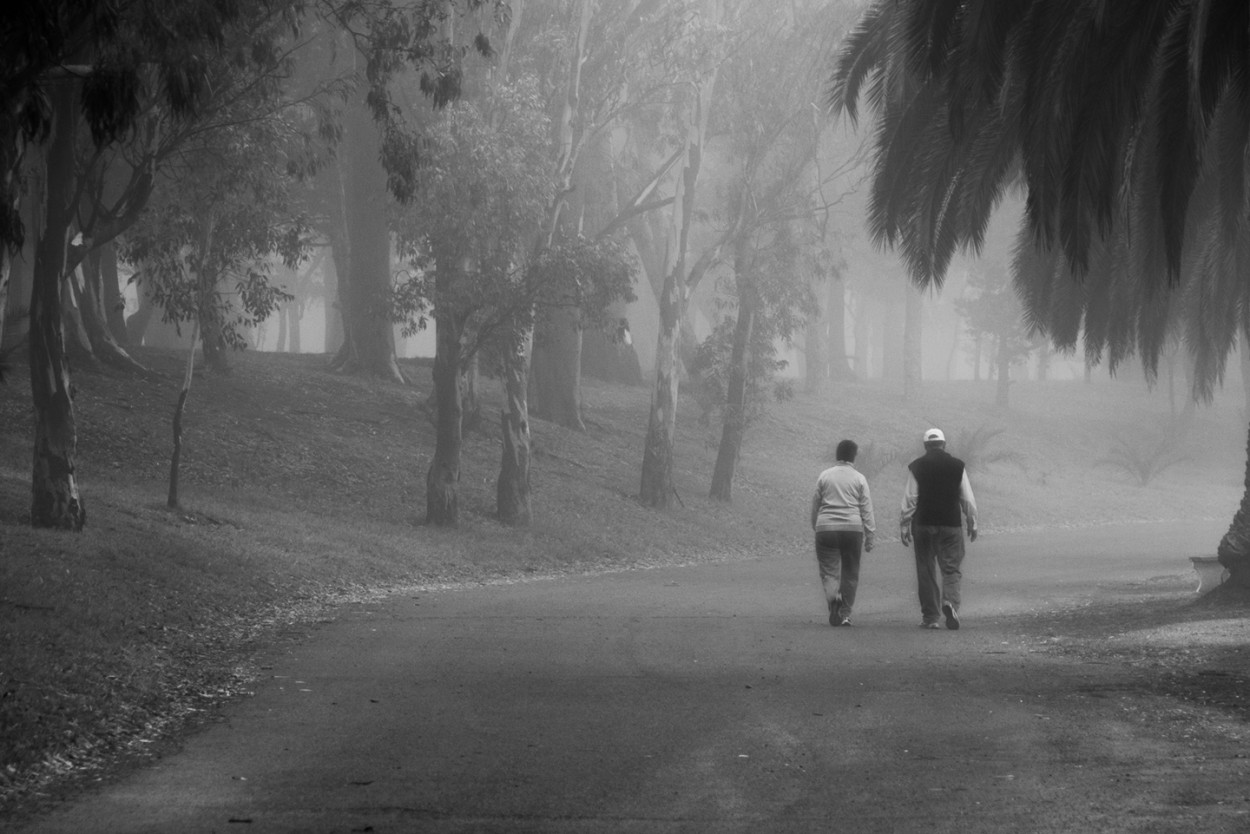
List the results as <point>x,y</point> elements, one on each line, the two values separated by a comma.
<point>1126,124</point>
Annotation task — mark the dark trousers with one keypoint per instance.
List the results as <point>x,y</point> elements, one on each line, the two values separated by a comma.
<point>838,553</point>
<point>939,550</point>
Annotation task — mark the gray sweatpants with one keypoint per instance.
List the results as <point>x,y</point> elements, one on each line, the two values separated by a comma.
<point>838,553</point>
<point>938,550</point>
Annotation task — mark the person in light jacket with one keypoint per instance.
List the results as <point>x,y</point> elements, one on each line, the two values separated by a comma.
<point>843,523</point>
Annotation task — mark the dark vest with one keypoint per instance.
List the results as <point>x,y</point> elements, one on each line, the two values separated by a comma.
<point>938,476</point>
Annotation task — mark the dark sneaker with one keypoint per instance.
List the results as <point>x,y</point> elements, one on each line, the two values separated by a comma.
<point>835,618</point>
<point>929,625</point>
<point>845,621</point>
<point>951,615</point>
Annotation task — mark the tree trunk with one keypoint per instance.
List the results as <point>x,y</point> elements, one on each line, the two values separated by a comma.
<point>370,336</point>
<point>735,420</point>
<point>137,323</point>
<point>913,344</point>
<point>17,309</point>
<point>77,342</point>
<point>657,459</point>
<point>470,396</point>
<point>512,494</point>
<point>341,348</point>
<point>1234,549</point>
<point>557,357</point>
<point>1004,374</point>
<point>816,351</point>
<point>55,501</point>
<point>6,269</point>
<point>443,478</point>
<point>212,336</point>
<point>175,459</point>
<point>839,361</point>
<point>893,332</point>
<point>951,354</point>
<point>280,342</point>
<point>333,310</point>
<point>11,195</point>
<point>1243,351</point>
<point>862,329</point>
<point>556,380</point>
<point>216,351</point>
<point>113,299</point>
<point>94,316</point>
<point>1043,360</point>
<point>816,355</point>
<point>294,315</point>
<point>31,209</point>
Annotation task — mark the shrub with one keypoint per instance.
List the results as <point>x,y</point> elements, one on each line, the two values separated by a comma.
<point>977,448</point>
<point>711,367</point>
<point>1146,460</point>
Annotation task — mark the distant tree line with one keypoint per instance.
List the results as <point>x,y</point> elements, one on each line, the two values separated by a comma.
<point>504,172</point>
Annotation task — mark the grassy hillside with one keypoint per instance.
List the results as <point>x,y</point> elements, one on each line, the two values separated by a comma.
<point>301,488</point>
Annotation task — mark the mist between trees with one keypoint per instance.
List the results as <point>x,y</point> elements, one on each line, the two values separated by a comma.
<point>654,193</point>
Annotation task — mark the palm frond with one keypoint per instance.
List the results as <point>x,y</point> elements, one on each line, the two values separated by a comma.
<point>1128,124</point>
<point>1179,136</point>
<point>930,29</point>
<point>863,53</point>
<point>1225,157</point>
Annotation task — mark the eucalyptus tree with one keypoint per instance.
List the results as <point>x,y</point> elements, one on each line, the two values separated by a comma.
<point>600,67</point>
<point>248,86</point>
<point>765,146</point>
<point>376,49</point>
<point>483,183</point>
<point>772,295</point>
<point>1126,122</point>
<point>570,278</point>
<point>706,42</point>
<point>219,220</point>
<point>585,274</point>
<point>69,62</point>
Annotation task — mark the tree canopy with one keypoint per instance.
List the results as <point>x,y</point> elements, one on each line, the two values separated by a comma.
<point>1126,125</point>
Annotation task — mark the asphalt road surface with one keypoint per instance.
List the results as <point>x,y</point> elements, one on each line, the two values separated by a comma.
<point>710,698</point>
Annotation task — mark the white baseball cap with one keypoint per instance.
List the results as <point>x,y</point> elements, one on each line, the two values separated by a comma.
<point>934,434</point>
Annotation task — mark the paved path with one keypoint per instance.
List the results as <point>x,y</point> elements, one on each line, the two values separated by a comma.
<point>711,698</point>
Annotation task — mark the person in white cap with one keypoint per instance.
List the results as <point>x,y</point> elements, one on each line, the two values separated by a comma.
<point>844,527</point>
<point>937,504</point>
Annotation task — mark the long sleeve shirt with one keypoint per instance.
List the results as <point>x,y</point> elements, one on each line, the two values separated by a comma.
<point>842,501</point>
<point>967,502</point>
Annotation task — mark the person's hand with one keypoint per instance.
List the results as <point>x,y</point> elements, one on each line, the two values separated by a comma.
<point>972,532</point>
<point>904,534</point>
<point>869,541</point>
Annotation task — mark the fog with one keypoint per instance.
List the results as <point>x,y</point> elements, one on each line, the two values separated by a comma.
<point>696,141</point>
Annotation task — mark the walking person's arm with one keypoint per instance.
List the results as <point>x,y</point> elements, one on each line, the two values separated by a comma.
<point>866,516</point>
<point>910,493</point>
<point>816,501</point>
<point>968,503</point>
